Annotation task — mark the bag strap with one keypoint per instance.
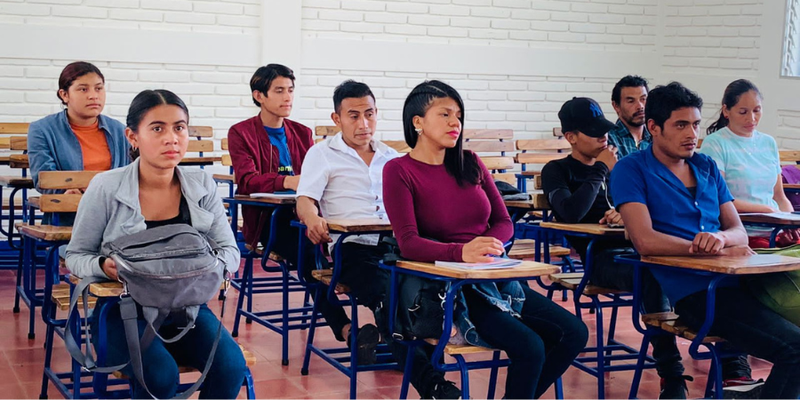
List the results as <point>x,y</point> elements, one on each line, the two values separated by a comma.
<point>155,318</point>
<point>129,320</point>
<point>87,360</point>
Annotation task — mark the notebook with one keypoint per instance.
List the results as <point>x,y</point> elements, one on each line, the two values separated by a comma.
<point>497,264</point>
<point>289,194</point>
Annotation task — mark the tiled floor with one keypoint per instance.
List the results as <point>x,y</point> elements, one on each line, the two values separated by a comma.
<point>22,360</point>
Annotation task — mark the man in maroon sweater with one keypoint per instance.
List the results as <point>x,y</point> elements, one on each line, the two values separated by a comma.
<point>267,152</point>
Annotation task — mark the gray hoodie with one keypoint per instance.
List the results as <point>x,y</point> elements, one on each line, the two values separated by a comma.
<point>110,209</point>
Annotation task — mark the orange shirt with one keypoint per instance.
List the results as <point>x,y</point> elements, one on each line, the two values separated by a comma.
<point>94,146</point>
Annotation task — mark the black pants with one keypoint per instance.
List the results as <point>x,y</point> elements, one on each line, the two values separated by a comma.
<point>541,343</point>
<point>610,274</point>
<point>752,327</point>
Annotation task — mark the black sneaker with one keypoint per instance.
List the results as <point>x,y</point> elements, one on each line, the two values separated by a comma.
<point>367,340</point>
<point>445,390</point>
<point>674,387</point>
<point>742,388</point>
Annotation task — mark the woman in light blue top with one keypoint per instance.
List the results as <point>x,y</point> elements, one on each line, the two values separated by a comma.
<point>748,159</point>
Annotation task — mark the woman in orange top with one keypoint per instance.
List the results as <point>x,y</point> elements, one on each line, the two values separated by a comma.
<point>79,137</point>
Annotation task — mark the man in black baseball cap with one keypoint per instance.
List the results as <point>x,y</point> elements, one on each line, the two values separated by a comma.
<point>577,189</point>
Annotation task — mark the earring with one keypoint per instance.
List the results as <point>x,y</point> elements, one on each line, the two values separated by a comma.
<point>419,131</point>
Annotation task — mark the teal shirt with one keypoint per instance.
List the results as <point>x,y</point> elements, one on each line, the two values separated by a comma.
<point>621,138</point>
<point>751,165</point>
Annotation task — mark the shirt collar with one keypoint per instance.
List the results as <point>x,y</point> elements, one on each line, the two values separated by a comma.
<point>646,136</point>
<point>102,123</point>
<point>698,164</point>
<point>337,143</point>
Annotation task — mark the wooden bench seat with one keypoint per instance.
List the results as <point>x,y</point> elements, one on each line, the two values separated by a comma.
<point>223,178</point>
<point>325,276</point>
<point>260,251</point>
<point>18,161</point>
<point>16,182</point>
<point>453,349</point>
<point>526,248</point>
<point>671,323</point>
<point>572,280</point>
<point>249,359</point>
<point>61,297</point>
<point>48,233</point>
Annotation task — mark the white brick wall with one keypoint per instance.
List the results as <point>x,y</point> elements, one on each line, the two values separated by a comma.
<point>597,24</point>
<point>216,96</point>
<point>228,16</point>
<point>705,44</point>
<point>526,104</point>
<point>721,37</point>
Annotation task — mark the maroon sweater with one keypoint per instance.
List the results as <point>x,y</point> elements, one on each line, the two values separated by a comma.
<point>256,162</point>
<point>424,201</point>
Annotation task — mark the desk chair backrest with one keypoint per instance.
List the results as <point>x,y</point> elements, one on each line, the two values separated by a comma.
<point>493,146</point>
<point>200,143</point>
<point>789,156</point>
<point>323,132</point>
<point>13,137</point>
<point>534,154</point>
<point>63,180</point>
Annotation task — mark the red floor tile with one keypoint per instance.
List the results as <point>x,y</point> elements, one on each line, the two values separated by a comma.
<point>21,360</point>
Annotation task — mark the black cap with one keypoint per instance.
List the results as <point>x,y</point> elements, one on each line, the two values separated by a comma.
<point>585,115</point>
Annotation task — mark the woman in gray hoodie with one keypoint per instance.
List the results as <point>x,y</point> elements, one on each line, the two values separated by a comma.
<point>153,191</point>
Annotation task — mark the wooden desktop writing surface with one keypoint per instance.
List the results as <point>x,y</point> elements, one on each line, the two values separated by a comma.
<point>770,218</point>
<point>266,200</point>
<point>523,204</point>
<point>592,229</point>
<point>359,225</point>
<point>739,265</point>
<point>48,233</point>
<point>101,289</point>
<point>527,269</point>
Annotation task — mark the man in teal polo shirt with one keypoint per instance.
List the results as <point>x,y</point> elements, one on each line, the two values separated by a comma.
<point>630,134</point>
<point>675,202</point>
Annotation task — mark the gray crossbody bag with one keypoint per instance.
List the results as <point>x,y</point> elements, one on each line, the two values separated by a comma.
<point>170,270</point>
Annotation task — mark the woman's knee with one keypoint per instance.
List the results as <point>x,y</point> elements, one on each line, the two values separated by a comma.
<point>528,348</point>
<point>229,364</point>
<point>162,380</point>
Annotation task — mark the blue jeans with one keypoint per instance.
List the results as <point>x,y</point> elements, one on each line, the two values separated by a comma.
<point>160,360</point>
<point>750,326</point>
<point>541,343</point>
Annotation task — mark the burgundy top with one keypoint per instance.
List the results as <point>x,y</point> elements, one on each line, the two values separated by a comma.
<point>424,201</point>
<point>256,162</point>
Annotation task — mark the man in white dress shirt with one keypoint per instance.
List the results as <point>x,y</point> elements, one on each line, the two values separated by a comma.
<point>343,178</point>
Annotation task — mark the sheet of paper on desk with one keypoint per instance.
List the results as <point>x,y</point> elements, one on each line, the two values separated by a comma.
<point>500,263</point>
<point>273,195</point>
<point>782,215</point>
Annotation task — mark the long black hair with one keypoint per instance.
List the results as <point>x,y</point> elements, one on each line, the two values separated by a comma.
<point>462,165</point>
<point>146,101</point>
<point>730,98</point>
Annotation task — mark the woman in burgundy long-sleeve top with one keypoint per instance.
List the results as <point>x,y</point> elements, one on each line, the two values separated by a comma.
<point>450,213</point>
<point>444,207</point>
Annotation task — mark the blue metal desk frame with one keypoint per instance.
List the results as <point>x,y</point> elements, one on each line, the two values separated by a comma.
<point>280,321</point>
<point>461,365</point>
<point>347,363</point>
<point>714,384</point>
<point>604,351</point>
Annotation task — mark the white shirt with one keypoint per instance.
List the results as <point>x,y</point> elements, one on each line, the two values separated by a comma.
<point>343,184</point>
